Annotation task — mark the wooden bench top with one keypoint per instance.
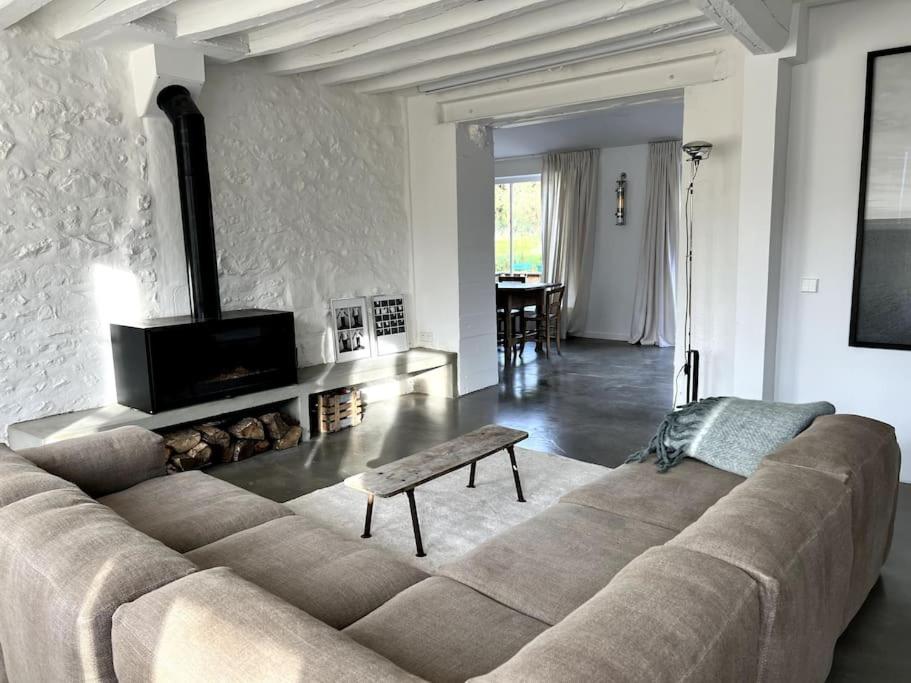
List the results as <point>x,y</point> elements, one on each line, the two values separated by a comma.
<point>414,470</point>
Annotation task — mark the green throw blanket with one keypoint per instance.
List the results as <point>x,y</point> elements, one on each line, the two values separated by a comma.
<point>732,434</point>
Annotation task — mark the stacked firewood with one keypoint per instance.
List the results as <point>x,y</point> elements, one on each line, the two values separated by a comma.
<point>193,448</point>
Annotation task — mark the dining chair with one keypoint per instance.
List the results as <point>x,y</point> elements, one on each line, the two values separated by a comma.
<point>513,346</point>
<point>549,321</point>
<point>506,277</point>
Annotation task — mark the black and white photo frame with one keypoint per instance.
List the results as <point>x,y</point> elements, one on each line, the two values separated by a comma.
<point>351,331</point>
<point>389,323</point>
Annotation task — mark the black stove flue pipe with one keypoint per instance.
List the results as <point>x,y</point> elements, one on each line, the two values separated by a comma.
<point>195,200</point>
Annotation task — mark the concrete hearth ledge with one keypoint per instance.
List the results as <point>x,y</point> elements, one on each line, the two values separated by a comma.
<point>311,380</point>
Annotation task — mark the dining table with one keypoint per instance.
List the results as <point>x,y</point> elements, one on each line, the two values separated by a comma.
<point>518,295</point>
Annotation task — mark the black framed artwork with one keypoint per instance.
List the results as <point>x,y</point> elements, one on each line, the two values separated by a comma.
<point>881,303</point>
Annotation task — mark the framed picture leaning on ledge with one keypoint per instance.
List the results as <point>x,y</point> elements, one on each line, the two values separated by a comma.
<point>351,329</point>
<point>881,303</point>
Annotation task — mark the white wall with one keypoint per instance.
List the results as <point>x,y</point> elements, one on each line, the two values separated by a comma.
<point>713,112</point>
<point>827,99</point>
<point>452,212</point>
<point>477,299</point>
<point>309,201</point>
<point>518,166</point>
<point>617,247</point>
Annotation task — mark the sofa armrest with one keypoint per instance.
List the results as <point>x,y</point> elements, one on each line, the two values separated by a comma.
<point>214,625</point>
<point>106,462</point>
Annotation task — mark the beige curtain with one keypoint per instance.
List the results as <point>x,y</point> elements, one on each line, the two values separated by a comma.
<point>569,188</point>
<point>653,311</point>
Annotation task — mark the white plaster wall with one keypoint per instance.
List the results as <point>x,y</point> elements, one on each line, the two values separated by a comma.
<point>617,247</point>
<point>77,218</point>
<point>517,166</point>
<point>477,298</point>
<point>308,192</point>
<point>713,112</point>
<point>310,203</point>
<point>434,217</point>
<point>827,100</point>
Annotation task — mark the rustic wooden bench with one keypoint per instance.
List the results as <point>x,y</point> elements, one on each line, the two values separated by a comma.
<point>405,475</point>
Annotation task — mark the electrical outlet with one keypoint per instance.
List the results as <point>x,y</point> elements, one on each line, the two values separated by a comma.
<point>426,337</point>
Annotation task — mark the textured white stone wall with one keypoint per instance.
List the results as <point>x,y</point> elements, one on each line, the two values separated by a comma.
<point>309,190</point>
<point>309,196</point>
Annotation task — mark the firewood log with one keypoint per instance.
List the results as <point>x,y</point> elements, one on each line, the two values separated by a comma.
<point>291,438</point>
<point>248,428</point>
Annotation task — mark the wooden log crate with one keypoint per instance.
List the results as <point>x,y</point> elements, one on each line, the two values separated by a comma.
<point>336,410</point>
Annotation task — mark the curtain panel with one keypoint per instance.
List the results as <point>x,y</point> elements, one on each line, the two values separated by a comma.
<point>569,204</point>
<point>654,312</point>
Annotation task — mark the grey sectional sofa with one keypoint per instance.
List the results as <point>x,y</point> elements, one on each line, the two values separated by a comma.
<point>111,571</point>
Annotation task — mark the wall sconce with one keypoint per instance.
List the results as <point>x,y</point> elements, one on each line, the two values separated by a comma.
<point>621,200</point>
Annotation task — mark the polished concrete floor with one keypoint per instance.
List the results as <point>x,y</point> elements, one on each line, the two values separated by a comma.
<point>598,402</point>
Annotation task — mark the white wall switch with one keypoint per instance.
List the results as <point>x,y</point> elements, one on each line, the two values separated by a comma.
<point>425,337</point>
<point>809,285</point>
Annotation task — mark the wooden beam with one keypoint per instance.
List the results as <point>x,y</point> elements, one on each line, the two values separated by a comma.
<point>91,19</point>
<point>554,19</point>
<point>762,26</point>
<point>587,83</point>
<point>160,29</point>
<point>344,17</point>
<point>204,19</point>
<point>393,34</point>
<point>14,11</point>
<point>527,58</point>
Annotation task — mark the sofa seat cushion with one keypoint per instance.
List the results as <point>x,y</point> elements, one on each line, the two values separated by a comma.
<point>20,478</point>
<point>331,578</point>
<point>191,509</point>
<point>790,529</point>
<point>864,454</point>
<point>549,565</point>
<point>673,499</point>
<point>670,615</point>
<point>66,563</point>
<point>443,631</point>
<point>215,626</point>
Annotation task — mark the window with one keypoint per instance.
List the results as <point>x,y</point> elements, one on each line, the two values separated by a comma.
<point>518,225</point>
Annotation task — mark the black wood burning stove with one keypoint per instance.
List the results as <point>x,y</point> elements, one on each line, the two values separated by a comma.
<point>173,362</point>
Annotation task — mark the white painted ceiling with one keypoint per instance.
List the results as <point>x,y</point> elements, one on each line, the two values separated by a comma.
<point>378,45</point>
<point>630,124</point>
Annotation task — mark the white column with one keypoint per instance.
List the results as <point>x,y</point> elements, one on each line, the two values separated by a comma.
<point>766,113</point>
<point>452,214</point>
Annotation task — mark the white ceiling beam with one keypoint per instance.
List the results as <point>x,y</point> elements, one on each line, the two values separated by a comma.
<point>14,11</point>
<point>87,20</point>
<point>597,40</point>
<point>396,33</point>
<point>763,26</point>
<point>159,29</point>
<point>344,17</point>
<point>584,84</point>
<point>204,19</point>
<point>550,20</point>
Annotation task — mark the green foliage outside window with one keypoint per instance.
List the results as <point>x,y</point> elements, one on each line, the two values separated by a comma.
<point>518,215</point>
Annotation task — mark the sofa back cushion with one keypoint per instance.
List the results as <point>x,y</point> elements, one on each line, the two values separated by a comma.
<point>864,454</point>
<point>66,563</point>
<point>106,462</point>
<point>670,615</point>
<point>215,626</point>
<point>20,478</point>
<point>790,529</point>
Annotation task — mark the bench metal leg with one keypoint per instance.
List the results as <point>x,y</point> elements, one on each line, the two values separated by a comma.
<point>415,524</point>
<point>366,533</point>
<point>471,475</point>
<point>515,473</point>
